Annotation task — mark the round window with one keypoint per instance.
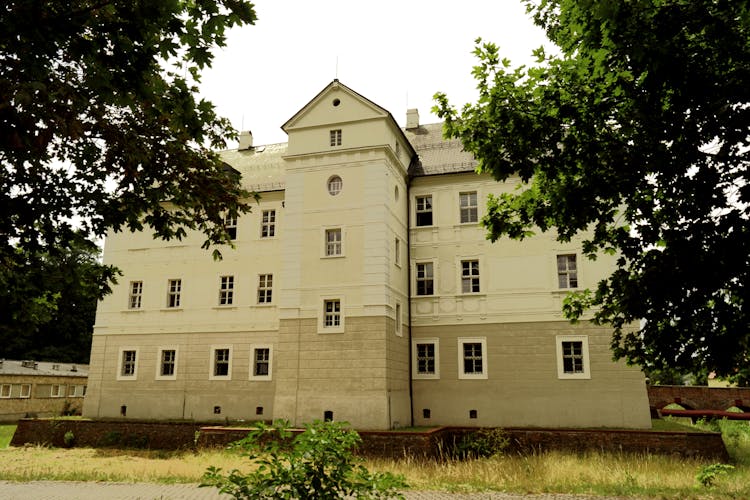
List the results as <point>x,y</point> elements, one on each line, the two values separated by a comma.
<point>334,185</point>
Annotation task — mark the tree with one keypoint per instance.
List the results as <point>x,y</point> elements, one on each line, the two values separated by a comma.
<point>100,127</point>
<point>48,304</point>
<point>635,137</point>
<point>316,464</point>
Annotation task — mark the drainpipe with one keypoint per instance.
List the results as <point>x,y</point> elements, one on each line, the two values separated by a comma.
<point>408,296</point>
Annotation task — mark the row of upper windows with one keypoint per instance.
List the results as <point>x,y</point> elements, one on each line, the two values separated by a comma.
<point>8,391</point>
<point>220,363</point>
<point>267,224</point>
<point>225,296</point>
<point>467,208</point>
<point>567,275</point>
<point>572,352</point>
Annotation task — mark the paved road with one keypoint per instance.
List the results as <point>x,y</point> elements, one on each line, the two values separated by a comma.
<point>72,490</point>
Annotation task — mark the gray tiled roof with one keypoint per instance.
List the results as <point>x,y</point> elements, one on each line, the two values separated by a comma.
<point>263,168</point>
<point>437,155</point>
<point>42,368</point>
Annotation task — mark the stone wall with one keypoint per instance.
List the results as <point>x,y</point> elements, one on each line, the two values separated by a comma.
<point>434,443</point>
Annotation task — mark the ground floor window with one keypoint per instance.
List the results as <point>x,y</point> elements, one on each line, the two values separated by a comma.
<point>573,357</point>
<point>472,358</point>
<point>426,358</point>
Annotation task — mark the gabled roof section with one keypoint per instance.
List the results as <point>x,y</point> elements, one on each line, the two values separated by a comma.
<point>347,104</point>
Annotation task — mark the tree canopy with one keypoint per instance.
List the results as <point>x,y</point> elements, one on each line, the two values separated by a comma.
<point>100,125</point>
<point>101,128</point>
<point>635,137</point>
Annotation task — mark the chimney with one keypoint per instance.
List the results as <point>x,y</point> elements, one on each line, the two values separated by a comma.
<point>246,140</point>
<point>412,118</point>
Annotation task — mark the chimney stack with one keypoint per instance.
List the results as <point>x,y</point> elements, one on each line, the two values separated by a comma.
<point>246,140</point>
<point>412,118</point>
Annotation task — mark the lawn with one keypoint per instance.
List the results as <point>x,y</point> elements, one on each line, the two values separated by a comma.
<point>640,475</point>
<point>6,434</point>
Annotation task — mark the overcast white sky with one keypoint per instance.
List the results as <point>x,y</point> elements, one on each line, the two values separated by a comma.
<point>395,53</point>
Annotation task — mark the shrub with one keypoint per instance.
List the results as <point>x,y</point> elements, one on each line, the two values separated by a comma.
<point>69,439</point>
<point>482,443</point>
<point>707,474</point>
<point>316,464</point>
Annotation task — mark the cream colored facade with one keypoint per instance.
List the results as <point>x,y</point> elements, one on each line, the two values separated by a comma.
<point>361,288</point>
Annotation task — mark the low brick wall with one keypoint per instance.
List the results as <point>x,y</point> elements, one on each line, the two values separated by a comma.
<point>102,433</point>
<point>698,397</point>
<point>428,444</point>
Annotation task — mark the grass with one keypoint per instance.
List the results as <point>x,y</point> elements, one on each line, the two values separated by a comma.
<point>6,434</point>
<point>614,474</point>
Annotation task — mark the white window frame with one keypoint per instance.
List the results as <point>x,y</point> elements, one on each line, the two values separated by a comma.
<point>470,277</point>
<point>226,290</point>
<point>212,364</point>
<point>335,137</point>
<point>72,391</point>
<point>415,358</point>
<point>121,362</point>
<point>584,340</point>
<point>268,223</point>
<point>5,394</point>
<point>334,185</point>
<point>174,293</point>
<point>264,289</point>
<point>253,361</point>
<point>417,279</point>
<point>472,375</point>
<point>423,210</point>
<point>331,246</point>
<point>322,328</point>
<point>135,294</point>
<point>230,224</point>
<point>56,391</point>
<point>25,391</point>
<point>567,272</point>
<point>159,361</point>
<point>468,208</point>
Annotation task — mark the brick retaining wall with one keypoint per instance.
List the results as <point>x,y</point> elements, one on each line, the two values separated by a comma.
<point>698,397</point>
<point>429,444</point>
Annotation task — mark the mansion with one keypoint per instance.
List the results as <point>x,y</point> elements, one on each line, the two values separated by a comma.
<point>361,288</point>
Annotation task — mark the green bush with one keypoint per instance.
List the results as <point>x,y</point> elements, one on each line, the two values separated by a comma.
<point>482,443</point>
<point>317,464</point>
<point>707,474</point>
<point>69,439</point>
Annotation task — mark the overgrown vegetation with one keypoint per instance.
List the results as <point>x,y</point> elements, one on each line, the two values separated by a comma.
<point>317,464</point>
<point>593,473</point>
<point>6,434</point>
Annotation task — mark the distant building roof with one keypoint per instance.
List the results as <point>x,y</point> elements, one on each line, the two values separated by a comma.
<point>263,167</point>
<point>42,368</point>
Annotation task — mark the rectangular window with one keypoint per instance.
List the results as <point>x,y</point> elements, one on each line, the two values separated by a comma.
<point>57,391</point>
<point>261,363</point>
<point>426,358</point>
<point>136,292</point>
<point>71,391</point>
<point>167,363</point>
<point>226,290</point>
<point>174,288</point>
<point>567,271</point>
<point>468,207</point>
<point>332,313</point>
<point>333,242</point>
<point>573,357</point>
<point>472,354</point>
<point>25,390</point>
<point>5,391</point>
<point>127,363</point>
<point>469,276</point>
<point>265,288</point>
<point>268,224</point>
<point>397,251</point>
<point>230,224</point>
<point>335,136</point>
<point>221,360</point>
<point>424,210</point>
<point>424,279</point>
<point>398,319</point>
